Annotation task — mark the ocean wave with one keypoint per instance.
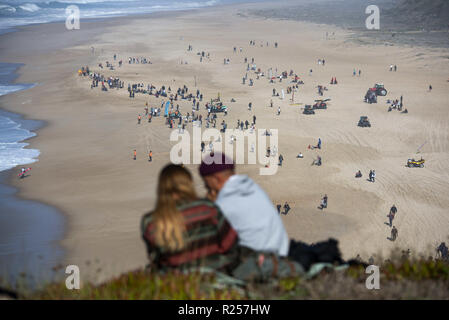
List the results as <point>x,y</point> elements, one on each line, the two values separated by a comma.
<point>30,7</point>
<point>34,11</point>
<point>12,88</point>
<point>197,4</point>
<point>15,155</point>
<point>6,8</point>
<point>12,150</point>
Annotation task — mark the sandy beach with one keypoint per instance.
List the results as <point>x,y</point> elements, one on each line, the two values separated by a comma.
<point>85,167</point>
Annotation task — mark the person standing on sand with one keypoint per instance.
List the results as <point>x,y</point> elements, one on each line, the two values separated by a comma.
<point>281,159</point>
<point>392,213</point>
<point>394,234</point>
<point>135,154</point>
<point>430,88</point>
<point>286,208</point>
<point>150,156</point>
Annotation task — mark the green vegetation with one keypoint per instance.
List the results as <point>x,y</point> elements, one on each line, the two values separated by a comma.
<point>403,279</point>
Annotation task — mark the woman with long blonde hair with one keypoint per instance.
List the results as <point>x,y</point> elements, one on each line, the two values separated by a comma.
<point>184,230</point>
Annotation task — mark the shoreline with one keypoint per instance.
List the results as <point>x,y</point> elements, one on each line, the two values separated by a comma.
<point>103,223</point>
<point>31,232</point>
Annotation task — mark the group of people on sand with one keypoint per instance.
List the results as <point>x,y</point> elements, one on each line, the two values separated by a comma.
<point>391,216</point>
<point>138,60</point>
<point>396,104</point>
<point>150,155</point>
<point>393,68</point>
<point>253,43</point>
<point>371,175</point>
<point>355,72</point>
<point>112,82</point>
<point>286,208</point>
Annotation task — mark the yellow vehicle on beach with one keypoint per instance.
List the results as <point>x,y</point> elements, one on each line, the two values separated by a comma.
<point>411,163</point>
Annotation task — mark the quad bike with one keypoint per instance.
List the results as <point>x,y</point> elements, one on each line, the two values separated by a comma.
<point>320,104</point>
<point>308,109</point>
<point>412,163</point>
<point>379,89</point>
<point>217,108</point>
<point>371,96</point>
<point>364,122</point>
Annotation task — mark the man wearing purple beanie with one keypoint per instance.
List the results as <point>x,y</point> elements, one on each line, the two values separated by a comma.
<point>246,206</point>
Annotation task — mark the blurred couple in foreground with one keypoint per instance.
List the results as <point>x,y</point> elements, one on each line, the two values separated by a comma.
<point>236,230</point>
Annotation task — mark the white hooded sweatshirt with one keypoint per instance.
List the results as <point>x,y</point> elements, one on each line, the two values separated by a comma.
<point>251,213</point>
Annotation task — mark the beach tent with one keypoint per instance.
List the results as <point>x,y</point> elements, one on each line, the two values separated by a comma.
<point>167,105</point>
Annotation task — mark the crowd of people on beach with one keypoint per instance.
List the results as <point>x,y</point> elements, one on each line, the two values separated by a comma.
<point>111,82</point>
<point>175,118</point>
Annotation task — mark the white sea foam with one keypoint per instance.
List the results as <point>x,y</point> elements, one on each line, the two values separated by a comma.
<point>6,8</point>
<point>30,7</point>
<point>12,149</point>
<point>11,88</point>
<point>25,12</point>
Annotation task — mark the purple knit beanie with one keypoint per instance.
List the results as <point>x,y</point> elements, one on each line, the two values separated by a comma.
<point>215,162</point>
